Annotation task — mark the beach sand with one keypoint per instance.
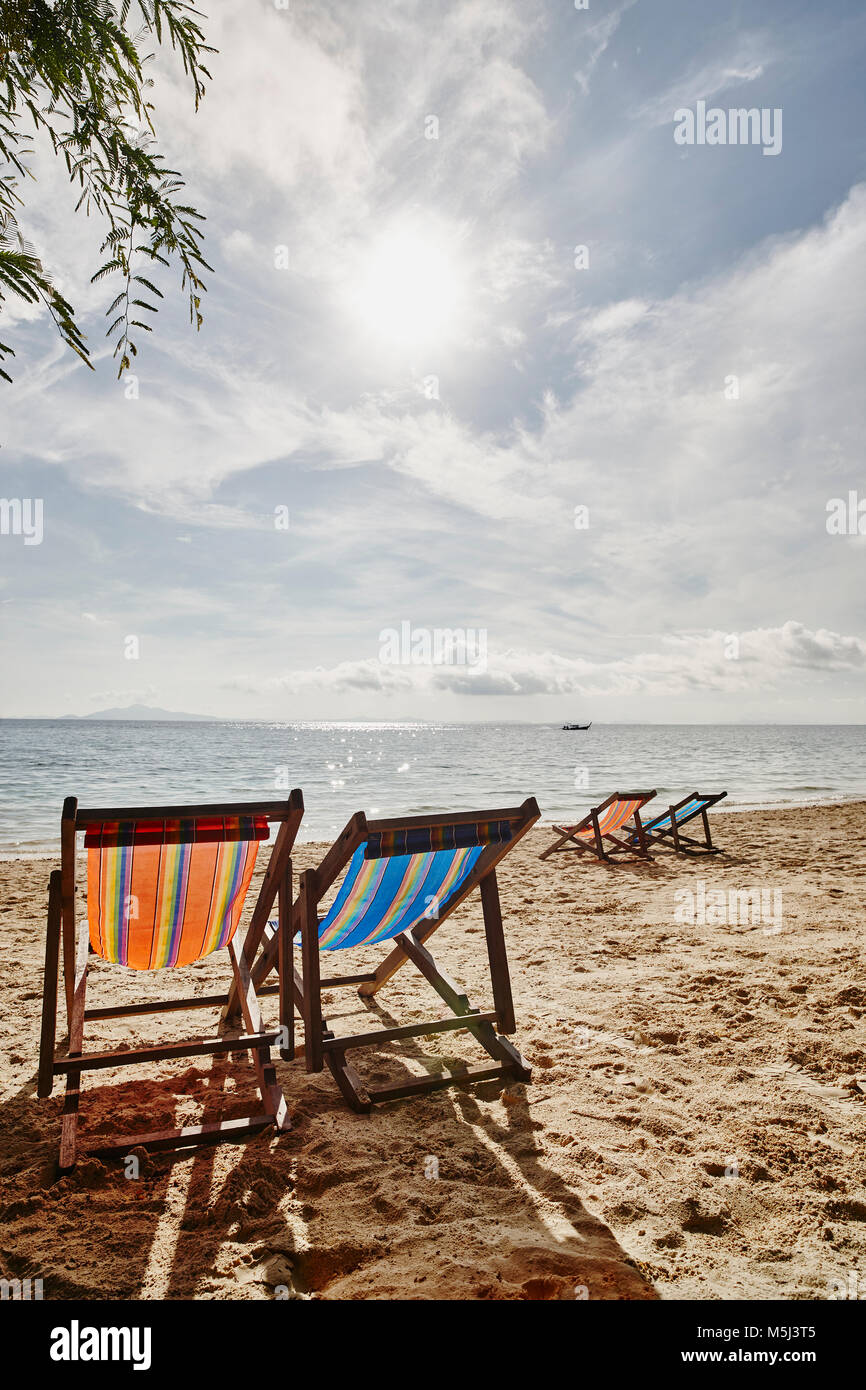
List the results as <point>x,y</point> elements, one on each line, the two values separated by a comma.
<point>694,1127</point>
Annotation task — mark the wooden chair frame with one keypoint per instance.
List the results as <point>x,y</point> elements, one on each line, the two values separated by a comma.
<point>672,835</point>
<point>597,845</point>
<point>304,990</point>
<point>254,1038</point>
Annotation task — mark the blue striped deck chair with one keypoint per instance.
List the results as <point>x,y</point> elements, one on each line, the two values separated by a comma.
<point>402,879</point>
<point>666,828</point>
<point>166,886</point>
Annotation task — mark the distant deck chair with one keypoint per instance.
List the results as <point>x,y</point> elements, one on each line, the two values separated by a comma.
<point>666,828</point>
<point>596,831</point>
<point>166,886</point>
<point>403,879</point>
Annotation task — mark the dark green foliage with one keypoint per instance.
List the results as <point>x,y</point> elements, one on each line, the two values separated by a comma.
<point>75,70</point>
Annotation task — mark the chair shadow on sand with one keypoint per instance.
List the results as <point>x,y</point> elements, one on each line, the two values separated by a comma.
<point>556,1249</point>
<point>117,1229</point>
<point>661,867</point>
<point>303,1215</point>
<point>169,1234</point>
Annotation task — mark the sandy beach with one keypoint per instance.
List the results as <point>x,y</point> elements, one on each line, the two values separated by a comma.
<point>694,1127</point>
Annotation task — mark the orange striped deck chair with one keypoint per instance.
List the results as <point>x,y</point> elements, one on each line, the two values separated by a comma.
<point>401,879</point>
<point>596,833</point>
<point>166,886</point>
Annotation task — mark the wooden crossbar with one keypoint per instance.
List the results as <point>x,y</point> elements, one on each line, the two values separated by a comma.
<point>273,810</point>
<point>509,813</point>
<point>401,1090</point>
<point>406,1030</point>
<point>223,1131</point>
<point>161,1052</point>
<point>158,1006</point>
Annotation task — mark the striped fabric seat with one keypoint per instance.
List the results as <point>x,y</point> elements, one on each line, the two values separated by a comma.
<point>379,898</point>
<point>683,813</point>
<point>167,893</point>
<point>612,818</point>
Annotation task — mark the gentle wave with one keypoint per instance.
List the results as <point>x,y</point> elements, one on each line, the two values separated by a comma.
<point>391,768</point>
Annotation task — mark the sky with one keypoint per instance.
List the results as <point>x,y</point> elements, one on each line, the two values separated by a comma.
<point>508,403</point>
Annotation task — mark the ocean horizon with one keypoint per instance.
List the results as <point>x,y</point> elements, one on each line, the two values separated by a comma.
<point>406,767</point>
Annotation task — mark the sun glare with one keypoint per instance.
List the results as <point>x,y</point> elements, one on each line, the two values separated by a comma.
<point>408,289</point>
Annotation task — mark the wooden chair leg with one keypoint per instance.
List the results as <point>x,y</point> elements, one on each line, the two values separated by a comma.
<point>272,1096</point>
<point>350,1085</point>
<point>69,1124</point>
<point>599,842</point>
<point>496,953</point>
<point>625,847</point>
<point>308,897</point>
<point>447,989</point>
<point>509,1062</point>
<point>675,830</point>
<point>458,1002</point>
<point>563,836</point>
<point>706,820</point>
<point>641,834</point>
<point>280,854</point>
<point>286,965</point>
<point>45,1083</point>
<point>271,1091</point>
<point>500,1048</point>
<point>584,846</point>
<point>67,874</point>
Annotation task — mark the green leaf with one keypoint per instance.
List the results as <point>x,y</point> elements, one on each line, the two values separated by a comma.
<point>75,71</point>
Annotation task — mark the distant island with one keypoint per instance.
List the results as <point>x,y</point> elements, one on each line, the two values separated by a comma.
<point>142,712</point>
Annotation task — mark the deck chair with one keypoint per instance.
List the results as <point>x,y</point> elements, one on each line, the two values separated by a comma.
<point>666,829</point>
<point>595,832</point>
<point>403,879</point>
<point>166,886</point>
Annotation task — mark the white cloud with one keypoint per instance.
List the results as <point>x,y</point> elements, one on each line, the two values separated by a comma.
<point>746,61</point>
<point>596,37</point>
<point>685,663</point>
<point>280,107</point>
<point>557,388</point>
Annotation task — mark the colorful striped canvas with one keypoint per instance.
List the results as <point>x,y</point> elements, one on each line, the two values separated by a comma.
<point>684,813</point>
<point>166,904</point>
<point>611,818</point>
<point>429,838</point>
<point>381,897</point>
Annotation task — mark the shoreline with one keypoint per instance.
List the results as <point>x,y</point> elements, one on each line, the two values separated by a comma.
<point>48,855</point>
